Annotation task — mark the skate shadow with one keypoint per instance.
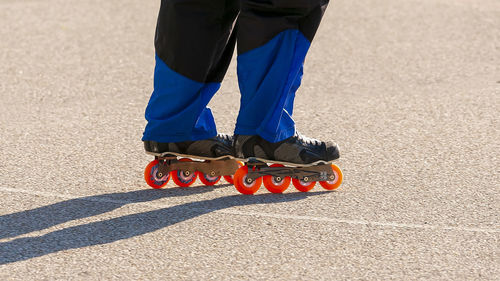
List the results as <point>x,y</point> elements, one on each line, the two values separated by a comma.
<point>115,229</point>
<point>24,222</point>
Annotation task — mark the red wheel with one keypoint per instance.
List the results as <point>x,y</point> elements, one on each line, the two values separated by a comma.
<point>151,177</point>
<point>243,184</point>
<point>276,184</point>
<point>335,182</point>
<point>207,179</point>
<point>302,185</point>
<point>230,179</point>
<point>183,178</point>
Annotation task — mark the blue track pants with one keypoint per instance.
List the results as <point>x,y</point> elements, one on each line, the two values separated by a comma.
<point>194,43</point>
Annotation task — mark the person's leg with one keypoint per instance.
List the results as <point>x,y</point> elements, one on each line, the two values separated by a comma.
<point>194,44</point>
<point>273,39</point>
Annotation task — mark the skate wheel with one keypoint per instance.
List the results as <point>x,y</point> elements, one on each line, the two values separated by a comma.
<point>302,185</point>
<point>207,179</point>
<point>334,183</point>
<point>243,185</point>
<point>276,184</point>
<point>230,179</point>
<point>183,178</point>
<point>150,175</point>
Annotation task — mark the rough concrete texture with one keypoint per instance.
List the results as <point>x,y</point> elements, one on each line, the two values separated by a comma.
<point>409,89</point>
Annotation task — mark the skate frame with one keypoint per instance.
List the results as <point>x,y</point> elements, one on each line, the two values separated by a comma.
<point>321,172</point>
<point>256,169</point>
<point>213,168</point>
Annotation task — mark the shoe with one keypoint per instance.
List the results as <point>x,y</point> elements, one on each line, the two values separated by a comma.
<point>295,150</point>
<point>217,147</point>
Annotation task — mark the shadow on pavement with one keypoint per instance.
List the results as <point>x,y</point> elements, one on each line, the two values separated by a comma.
<point>111,230</point>
<point>19,223</point>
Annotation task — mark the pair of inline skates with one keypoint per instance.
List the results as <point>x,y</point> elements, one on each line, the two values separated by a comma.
<point>246,162</point>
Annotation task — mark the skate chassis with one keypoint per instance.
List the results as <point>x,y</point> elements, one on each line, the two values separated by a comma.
<point>247,175</point>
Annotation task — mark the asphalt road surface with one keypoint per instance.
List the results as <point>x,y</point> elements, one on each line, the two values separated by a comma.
<point>409,89</point>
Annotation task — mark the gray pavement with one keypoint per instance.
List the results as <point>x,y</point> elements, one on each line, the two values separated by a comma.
<point>409,89</point>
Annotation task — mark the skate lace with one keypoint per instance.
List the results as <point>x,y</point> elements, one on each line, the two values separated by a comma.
<point>307,140</point>
<point>224,137</point>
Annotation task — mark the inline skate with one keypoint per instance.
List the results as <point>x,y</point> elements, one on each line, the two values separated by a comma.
<point>298,159</point>
<point>186,161</point>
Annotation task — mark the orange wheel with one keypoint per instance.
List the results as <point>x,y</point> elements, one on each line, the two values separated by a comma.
<point>184,178</point>
<point>230,179</point>
<point>334,183</point>
<point>242,183</point>
<point>302,185</point>
<point>151,177</point>
<point>276,184</point>
<point>207,179</point>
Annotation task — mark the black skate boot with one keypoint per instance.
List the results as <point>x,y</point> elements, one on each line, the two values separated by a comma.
<point>298,159</point>
<point>207,159</point>
<point>214,148</point>
<point>294,150</point>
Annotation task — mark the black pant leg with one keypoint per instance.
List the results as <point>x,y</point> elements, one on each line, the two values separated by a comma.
<point>273,39</point>
<point>195,38</point>
<point>261,20</point>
